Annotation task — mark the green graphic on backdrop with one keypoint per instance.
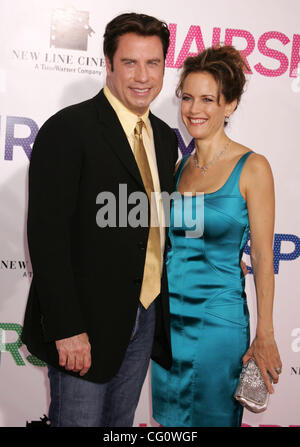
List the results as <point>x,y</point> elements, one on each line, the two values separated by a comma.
<point>14,347</point>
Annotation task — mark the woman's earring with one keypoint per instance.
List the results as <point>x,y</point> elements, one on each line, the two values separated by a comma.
<point>226,119</point>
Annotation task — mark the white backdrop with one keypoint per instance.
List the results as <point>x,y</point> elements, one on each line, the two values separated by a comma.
<point>50,57</point>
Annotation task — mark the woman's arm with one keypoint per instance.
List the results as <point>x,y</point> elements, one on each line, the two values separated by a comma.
<point>259,191</point>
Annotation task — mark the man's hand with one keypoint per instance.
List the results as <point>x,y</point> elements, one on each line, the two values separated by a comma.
<point>75,353</point>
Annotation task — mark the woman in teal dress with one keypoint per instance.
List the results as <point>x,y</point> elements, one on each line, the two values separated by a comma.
<point>208,308</point>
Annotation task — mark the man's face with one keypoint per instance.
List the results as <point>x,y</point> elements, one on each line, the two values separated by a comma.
<point>138,70</point>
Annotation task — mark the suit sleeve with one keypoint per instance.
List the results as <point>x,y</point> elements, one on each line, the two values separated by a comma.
<point>54,177</point>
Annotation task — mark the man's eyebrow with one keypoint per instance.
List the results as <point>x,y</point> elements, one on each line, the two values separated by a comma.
<point>154,59</point>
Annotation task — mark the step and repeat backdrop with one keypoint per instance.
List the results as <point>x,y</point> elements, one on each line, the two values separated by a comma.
<point>50,57</point>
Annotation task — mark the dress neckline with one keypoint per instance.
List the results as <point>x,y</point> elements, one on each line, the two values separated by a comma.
<point>218,190</point>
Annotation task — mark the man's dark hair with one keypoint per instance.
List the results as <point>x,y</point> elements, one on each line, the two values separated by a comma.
<point>140,24</point>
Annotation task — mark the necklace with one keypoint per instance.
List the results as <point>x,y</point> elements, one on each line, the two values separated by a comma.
<point>205,167</point>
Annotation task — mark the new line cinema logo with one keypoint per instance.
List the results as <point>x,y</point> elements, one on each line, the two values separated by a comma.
<point>20,266</point>
<point>69,30</point>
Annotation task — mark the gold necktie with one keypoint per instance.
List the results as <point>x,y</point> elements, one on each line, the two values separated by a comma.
<point>152,270</point>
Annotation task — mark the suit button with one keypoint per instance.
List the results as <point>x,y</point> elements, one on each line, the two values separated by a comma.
<point>137,280</point>
<point>141,245</point>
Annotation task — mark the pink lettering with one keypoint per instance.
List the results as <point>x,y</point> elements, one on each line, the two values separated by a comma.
<point>274,54</point>
<point>194,33</point>
<point>295,57</point>
<point>247,425</point>
<point>231,33</point>
<point>170,59</point>
<point>216,36</point>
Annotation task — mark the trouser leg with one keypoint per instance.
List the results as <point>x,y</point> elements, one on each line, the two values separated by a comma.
<point>76,402</point>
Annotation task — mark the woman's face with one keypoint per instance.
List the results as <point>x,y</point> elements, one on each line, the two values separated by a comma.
<point>200,111</point>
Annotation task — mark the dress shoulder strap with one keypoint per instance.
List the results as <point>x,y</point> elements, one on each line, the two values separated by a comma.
<point>179,170</point>
<point>232,184</point>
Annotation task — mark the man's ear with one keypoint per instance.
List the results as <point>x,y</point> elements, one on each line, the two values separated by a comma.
<point>108,66</point>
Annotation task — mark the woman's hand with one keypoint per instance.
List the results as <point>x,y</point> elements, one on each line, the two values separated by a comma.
<point>265,353</point>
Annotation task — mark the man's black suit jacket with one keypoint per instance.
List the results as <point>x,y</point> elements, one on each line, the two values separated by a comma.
<point>87,278</point>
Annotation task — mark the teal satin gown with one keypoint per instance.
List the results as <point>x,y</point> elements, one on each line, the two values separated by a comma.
<point>209,314</point>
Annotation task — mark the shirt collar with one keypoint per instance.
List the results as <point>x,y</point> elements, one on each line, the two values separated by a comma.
<point>127,118</point>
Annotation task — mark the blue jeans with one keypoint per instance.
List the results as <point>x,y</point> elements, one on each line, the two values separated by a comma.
<point>80,403</point>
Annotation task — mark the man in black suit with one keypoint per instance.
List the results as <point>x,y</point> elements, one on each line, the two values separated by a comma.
<point>96,311</point>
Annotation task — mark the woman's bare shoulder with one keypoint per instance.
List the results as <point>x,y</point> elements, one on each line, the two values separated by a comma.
<point>255,162</point>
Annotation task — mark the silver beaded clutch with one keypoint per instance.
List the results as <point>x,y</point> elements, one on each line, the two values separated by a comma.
<point>251,391</point>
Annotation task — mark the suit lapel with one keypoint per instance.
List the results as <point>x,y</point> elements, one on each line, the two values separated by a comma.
<point>160,152</point>
<point>117,140</point>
